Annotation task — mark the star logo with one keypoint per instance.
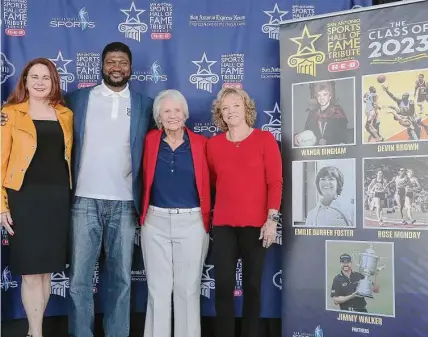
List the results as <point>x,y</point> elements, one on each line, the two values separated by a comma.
<point>61,63</point>
<point>275,115</point>
<point>307,57</point>
<point>204,66</point>
<point>206,272</point>
<point>133,14</point>
<point>204,77</point>
<point>306,42</point>
<point>275,15</point>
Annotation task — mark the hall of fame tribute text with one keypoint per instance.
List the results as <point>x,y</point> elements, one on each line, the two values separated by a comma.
<point>324,232</point>
<point>398,42</point>
<point>343,45</point>
<point>411,235</point>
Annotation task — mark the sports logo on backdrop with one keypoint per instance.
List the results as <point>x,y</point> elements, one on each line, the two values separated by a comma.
<point>274,124</point>
<point>88,69</point>
<point>4,237</point>
<point>7,281</point>
<point>160,20</point>
<point>204,77</point>
<point>270,73</point>
<point>64,76</point>
<point>137,237</point>
<point>318,331</point>
<point>238,285</point>
<point>96,278</point>
<point>207,282</point>
<point>154,74</point>
<point>217,20</point>
<point>80,21</point>
<point>138,275</point>
<point>133,27</point>
<point>307,57</point>
<point>398,42</point>
<point>272,27</point>
<point>277,280</point>
<point>7,68</point>
<point>343,44</point>
<point>59,284</point>
<point>232,70</point>
<point>15,16</point>
<point>206,128</point>
<point>302,11</point>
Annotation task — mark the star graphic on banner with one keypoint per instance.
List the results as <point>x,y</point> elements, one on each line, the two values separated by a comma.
<point>132,14</point>
<point>204,66</point>
<point>206,273</point>
<point>306,41</point>
<point>61,63</point>
<point>275,15</point>
<point>275,115</point>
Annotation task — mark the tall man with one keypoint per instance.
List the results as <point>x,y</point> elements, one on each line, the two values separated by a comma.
<point>111,121</point>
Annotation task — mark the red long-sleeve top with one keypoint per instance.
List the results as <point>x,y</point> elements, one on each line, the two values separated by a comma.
<point>247,179</point>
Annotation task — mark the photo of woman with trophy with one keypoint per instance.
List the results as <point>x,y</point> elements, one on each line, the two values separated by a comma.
<point>360,277</point>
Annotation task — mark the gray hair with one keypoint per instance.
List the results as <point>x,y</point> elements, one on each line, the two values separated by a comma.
<point>171,94</point>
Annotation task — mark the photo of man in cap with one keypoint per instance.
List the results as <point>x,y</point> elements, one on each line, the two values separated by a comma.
<point>343,289</point>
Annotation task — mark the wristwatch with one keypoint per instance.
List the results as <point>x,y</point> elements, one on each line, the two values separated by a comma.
<point>274,217</point>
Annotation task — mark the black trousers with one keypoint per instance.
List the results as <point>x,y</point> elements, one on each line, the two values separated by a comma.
<point>230,243</point>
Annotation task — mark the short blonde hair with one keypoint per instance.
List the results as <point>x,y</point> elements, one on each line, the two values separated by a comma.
<point>249,106</point>
<point>171,94</point>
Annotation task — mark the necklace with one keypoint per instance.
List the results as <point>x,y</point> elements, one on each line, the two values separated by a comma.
<point>237,143</point>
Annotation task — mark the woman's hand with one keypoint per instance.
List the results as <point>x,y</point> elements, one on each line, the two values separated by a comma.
<point>268,233</point>
<point>7,223</point>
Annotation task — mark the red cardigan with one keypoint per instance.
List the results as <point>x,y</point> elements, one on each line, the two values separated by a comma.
<point>198,147</point>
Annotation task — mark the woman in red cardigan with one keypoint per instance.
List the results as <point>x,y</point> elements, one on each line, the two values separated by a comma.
<point>175,217</point>
<point>246,169</point>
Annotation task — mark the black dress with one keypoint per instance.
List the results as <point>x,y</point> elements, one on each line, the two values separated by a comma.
<point>40,210</point>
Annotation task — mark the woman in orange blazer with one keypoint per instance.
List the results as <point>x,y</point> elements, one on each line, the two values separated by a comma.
<point>36,147</point>
<point>175,217</point>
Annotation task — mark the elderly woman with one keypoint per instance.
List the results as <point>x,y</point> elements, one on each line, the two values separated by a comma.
<point>175,217</point>
<point>332,210</point>
<point>246,169</point>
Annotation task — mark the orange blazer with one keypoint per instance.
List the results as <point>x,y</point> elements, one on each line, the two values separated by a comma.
<point>198,148</point>
<point>19,142</point>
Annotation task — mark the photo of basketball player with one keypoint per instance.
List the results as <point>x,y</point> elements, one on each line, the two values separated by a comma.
<point>324,193</point>
<point>390,113</point>
<point>396,193</point>
<point>360,277</point>
<point>324,113</point>
<point>421,91</point>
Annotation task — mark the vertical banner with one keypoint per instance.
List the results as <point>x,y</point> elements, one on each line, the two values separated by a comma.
<point>354,101</point>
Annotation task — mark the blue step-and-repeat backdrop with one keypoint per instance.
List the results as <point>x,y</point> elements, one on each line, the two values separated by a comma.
<point>196,47</point>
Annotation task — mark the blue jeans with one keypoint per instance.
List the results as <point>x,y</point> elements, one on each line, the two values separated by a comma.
<point>93,221</point>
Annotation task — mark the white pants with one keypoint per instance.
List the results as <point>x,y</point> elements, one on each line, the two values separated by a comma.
<point>174,249</point>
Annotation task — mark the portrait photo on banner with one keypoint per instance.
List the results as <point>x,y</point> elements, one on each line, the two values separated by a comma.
<point>360,277</point>
<point>396,193</point>
<point>324,193</point>
<point>323,113</point>
<point>395,106</point>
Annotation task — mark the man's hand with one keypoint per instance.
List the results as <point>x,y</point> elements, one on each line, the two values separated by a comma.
<point>3,119</point>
